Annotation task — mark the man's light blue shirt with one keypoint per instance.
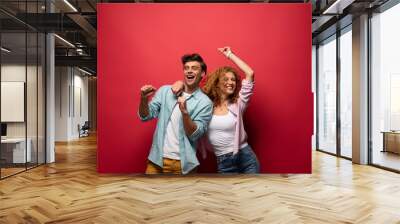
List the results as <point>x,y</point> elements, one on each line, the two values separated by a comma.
<point>200,109</point>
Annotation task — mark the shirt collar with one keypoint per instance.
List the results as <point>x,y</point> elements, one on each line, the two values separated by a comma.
<point>196,93</point>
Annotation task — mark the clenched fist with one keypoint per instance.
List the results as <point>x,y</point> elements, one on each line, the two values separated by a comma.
<point>182,104</point>
<point>226,51</point>
<point>147,90</point>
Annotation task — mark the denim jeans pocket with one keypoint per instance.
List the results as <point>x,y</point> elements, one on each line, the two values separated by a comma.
<point>227,163</point>
<point>224,157</point>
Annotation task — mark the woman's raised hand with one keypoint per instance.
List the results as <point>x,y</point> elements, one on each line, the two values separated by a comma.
<point>226,51</point>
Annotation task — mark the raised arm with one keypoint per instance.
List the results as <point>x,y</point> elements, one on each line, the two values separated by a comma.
<point>239,62</point>
<point>145,92</point>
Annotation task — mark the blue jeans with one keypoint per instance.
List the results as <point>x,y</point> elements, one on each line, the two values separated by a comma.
<point>245,161</point>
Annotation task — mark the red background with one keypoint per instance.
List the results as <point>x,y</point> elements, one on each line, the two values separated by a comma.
<point>142,44</point>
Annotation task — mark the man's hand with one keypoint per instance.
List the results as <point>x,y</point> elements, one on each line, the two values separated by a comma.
<point>188,124</point>
<point>147,90</point>
<point>226,51</point>
<point>182,105</point>
<point>177,88</point>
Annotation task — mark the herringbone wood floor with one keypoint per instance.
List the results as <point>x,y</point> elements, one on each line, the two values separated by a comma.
<point>70,191</point>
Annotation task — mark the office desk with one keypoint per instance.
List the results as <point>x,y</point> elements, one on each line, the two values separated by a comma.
<point>391,141</point>
<point>13,150</point>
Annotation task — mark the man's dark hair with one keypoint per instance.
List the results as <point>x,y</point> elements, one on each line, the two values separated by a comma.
<point>195,57</point>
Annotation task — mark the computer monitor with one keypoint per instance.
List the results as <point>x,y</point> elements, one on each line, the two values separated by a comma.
<point>3,129</point>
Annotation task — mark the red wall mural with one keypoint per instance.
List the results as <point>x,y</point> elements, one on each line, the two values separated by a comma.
<point>142,44</point>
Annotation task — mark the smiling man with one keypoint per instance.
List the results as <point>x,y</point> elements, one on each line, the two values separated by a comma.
<point>181,121</point>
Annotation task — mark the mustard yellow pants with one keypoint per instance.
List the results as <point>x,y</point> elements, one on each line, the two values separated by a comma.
<point>170,166</point>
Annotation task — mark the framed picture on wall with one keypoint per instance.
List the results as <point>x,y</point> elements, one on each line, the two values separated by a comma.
<point>12,101</point>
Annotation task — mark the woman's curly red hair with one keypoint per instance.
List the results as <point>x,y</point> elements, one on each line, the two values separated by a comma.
<point>211,87</point>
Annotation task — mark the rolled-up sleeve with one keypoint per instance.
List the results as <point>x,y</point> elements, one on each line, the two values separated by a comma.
<point>154,106</point>
<point>245,93</point>
<point>201,121</point>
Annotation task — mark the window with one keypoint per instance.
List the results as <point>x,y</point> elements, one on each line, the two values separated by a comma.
<point>327,95</point>
<point>346,93</point>
<point>385,88</point>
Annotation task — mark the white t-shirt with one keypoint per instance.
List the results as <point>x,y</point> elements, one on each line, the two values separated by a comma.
<point>171,140</point>
<point>221,133</point>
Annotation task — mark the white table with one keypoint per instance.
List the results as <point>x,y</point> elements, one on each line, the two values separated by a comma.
<point>18,149</point>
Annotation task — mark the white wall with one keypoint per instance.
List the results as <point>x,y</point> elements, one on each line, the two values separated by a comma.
<point>79,117</point>
<point>62,78</point>
<point>314,90</point>
<point>71,92</point>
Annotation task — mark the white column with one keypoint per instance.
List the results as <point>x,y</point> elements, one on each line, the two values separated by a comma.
<point>50,100</point>
<point>50,92</point>
<point>360,89</point>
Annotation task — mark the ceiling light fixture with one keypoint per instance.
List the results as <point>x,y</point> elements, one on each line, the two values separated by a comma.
<point>84,71</point>
<point>338,6</point>
<point>64,40</point>
<point>5,50</point>
<point>70,5</point>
